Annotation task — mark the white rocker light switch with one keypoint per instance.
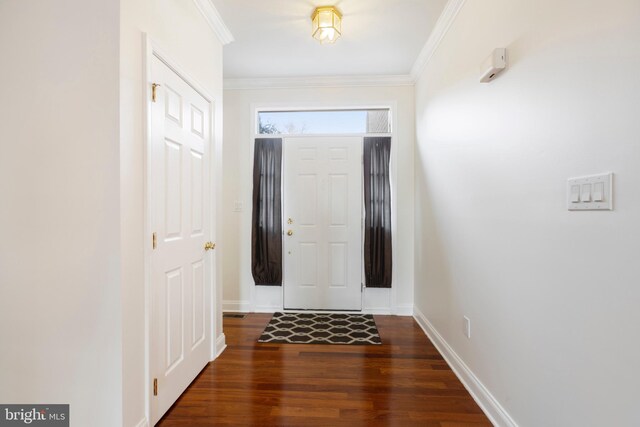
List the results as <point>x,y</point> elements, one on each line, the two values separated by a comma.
<point>585,196</point>
<point>575,194</point>
<point>598,192</point>
<point>590,193</point>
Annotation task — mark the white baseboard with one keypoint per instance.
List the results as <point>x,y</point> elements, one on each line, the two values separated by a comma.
<point>398,311</point>
<point>386,311</point>
<point>383,311</point>
<point>143,423</point>
<point>403,310</point>
<point>221,344</point>
<point>489,405</point>
<point>267,308</point>
<point>236,306</point>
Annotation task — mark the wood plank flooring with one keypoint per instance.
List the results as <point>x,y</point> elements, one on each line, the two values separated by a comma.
<point>403,382</point>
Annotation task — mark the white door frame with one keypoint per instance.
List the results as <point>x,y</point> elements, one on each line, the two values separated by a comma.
<point>150,50</point>
<point>369,294</point>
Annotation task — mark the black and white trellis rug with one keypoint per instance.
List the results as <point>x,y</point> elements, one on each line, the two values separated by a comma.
<point>321,328</point>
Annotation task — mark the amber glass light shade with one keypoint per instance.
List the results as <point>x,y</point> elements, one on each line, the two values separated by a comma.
<point>327,24</point>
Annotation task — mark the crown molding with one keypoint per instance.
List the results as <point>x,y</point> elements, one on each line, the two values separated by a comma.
<point>316,81</point>
<point>443,24</point>
<point>449,13</point>
<point>214,20</point>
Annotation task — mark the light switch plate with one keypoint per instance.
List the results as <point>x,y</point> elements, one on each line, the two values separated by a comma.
<point>596,193</point>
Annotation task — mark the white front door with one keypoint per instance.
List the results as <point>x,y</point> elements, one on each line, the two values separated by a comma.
<point>322,223</point>
<point>180,271</point>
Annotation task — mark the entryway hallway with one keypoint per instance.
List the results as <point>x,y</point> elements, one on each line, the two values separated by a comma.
<point>403,382</point>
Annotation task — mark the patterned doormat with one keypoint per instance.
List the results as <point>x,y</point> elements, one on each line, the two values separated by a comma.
<point>321,328</point>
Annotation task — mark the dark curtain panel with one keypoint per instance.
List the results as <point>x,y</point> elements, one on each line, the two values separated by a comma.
<point>377,202</point>
<point>266,233</point>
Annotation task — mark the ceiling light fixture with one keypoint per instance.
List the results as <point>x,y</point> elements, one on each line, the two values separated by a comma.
<point>327,24</point>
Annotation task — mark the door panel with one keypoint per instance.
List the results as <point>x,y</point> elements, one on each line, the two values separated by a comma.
<point>338,265</point>
<point>308,276</point>
<point>197,193</point>
<point>174,313</point>
<point>307,188</point>
<point>323,198</point>
<point>338,199</point>
<point>180,270</point>
<point>173,190</point>
<point>198,309</point>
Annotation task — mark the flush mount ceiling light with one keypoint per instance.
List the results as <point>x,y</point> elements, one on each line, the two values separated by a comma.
<point>327,24</point>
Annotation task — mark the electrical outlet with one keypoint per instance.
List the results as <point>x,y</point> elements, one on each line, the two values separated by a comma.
<point>467,326</point>
<point>237,206</point>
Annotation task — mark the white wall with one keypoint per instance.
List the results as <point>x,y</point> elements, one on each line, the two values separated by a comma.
<point>182,33</point>
<point>552,295</point>
<point>239,290</point>
<point>60,317</point>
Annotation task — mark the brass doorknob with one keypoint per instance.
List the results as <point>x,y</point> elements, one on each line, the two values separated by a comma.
<point>209,246</point>
<point>290,233</point>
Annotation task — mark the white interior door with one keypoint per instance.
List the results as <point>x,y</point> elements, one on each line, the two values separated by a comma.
<point>322,213</point>
<point>180,271</point>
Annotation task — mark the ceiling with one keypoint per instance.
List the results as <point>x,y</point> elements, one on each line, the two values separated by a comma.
<point>273,37</point>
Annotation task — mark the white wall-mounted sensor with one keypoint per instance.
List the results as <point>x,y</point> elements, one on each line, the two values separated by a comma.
<point>494,65</point>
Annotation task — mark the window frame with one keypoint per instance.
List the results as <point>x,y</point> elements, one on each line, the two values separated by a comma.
<point>258,110</point>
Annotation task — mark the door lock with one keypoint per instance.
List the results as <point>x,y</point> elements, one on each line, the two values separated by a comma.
<point>209,246</point>
<point>290,233</point>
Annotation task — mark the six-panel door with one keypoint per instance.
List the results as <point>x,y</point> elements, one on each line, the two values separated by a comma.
<point>181,215</point>
<point>322,181</point>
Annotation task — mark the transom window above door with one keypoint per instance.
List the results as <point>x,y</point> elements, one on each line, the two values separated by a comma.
<point>324,122</point>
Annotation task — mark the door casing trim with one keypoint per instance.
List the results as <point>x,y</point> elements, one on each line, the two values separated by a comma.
<point>392,105</point>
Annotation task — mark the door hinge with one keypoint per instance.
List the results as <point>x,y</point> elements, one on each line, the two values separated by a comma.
<point>155,386</point>
<point>361,287</point>
<point>154,240</point>
<point>154,86</point>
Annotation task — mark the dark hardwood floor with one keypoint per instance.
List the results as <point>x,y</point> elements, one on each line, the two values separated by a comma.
<point>403,382</point>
